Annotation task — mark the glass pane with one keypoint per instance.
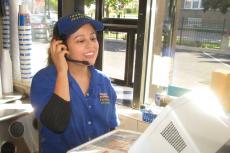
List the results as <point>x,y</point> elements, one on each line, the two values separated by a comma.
<point>203,52</point>
<point>90,7</point>
<point>44,14</point>
<point>161,50</point>
<point>121,9</point>
<point>188,4</point>
<point>195,4</point>
<point>43,17</point>
<point>114,54</point>
<point>201,4</point>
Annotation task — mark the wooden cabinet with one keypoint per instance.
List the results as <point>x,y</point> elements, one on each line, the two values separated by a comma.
<point>129,123</point>
<point>142,126</point>
<point>131,119</point>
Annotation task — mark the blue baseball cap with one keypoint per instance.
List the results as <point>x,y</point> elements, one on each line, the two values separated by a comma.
<point>67,25</point>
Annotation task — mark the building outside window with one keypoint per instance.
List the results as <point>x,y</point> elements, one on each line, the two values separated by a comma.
<point>193,4</point>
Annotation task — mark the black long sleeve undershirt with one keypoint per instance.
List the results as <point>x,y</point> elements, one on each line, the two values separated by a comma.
<point>56,114</point>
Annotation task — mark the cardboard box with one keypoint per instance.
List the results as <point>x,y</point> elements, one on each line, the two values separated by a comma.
<point>220,84</point>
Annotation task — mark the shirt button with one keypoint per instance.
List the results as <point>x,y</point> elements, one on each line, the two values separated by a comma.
<point>89,122</point>
<point>87,94</point>
<point>90,106</point>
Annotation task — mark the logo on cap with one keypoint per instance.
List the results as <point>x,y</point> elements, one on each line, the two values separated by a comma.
<point>78,16</point>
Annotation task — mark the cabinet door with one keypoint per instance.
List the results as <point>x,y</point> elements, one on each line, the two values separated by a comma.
<point>127,123</point>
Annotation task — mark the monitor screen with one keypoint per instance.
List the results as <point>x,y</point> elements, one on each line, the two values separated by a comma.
<point>193,123</point>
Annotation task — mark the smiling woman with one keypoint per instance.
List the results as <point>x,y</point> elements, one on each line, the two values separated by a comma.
<point>74,101</point>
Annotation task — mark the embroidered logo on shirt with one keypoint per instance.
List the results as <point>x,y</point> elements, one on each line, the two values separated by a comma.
<point>104,98</point>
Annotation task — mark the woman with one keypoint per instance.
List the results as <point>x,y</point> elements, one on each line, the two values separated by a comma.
<point>73,101</point>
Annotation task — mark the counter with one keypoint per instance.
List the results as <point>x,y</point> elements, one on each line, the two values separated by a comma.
<point>117,141</point>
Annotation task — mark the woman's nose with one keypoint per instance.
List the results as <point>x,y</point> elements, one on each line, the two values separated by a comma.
<point>90,44</point>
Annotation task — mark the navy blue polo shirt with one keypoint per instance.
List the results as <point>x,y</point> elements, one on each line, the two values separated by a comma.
<point>92,115</point>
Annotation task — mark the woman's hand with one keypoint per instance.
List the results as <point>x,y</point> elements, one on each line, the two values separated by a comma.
<point>58,51</point>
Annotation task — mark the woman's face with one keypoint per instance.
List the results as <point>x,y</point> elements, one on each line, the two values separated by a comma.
<point>83,44</point>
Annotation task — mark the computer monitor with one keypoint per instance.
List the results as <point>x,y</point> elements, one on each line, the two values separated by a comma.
<point>193,123</point>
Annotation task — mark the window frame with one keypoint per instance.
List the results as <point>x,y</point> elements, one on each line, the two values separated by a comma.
<point>192,3</point>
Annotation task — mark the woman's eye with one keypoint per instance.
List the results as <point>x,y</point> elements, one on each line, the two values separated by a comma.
<point>80,41</point>
<point>94,39</point>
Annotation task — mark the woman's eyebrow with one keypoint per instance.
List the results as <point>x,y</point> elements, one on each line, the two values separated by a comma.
<point>82,35</point>
<point>93,33</point>
<point>77,36</point>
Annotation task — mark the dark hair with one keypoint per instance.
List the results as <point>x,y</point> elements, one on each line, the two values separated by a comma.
<point>50,61</point>
<point>56,36</point>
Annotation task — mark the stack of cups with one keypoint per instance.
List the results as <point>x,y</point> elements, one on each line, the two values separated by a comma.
<point>25,43</point>
<point>6,26</point>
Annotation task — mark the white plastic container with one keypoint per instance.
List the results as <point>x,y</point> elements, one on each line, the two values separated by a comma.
<point>6,72</point>
<point>14,7</point>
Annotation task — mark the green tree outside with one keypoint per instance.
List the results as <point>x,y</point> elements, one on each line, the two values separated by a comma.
<point>114,4</point>
<point>222,5</point>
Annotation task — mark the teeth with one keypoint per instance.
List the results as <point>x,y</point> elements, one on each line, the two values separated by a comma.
<point>88,54</point>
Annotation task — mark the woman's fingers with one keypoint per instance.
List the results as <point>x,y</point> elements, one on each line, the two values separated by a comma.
<point>56,49</point>
<point>57,52</point>
<point>65,53</point>
<point>55,44</point>
<point>60,47</point>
